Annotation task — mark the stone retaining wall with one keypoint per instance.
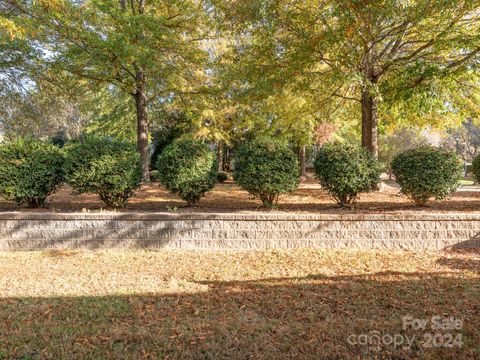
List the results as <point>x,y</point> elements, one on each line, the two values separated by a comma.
<point>414,231</point>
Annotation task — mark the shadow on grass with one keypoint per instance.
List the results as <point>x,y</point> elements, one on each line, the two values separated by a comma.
<point>309,317</point>
<point>461,264</point>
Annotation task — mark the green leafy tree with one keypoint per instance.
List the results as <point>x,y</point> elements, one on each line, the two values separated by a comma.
<point>398,141</point>
<point>390,59</point>
<point>146,49</point>
<point>464,140</point>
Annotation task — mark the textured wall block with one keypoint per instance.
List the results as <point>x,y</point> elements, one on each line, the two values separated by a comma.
<point>409,231</point>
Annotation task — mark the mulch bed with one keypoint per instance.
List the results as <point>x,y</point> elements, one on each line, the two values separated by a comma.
<point>228,197</point>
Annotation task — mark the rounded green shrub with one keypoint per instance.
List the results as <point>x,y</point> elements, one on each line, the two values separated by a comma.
<point>30,170</point>
<point>427,172</point>
<point>108,167</point>
<point>222,176</point>
<point>187,168</point>
<point>345,170</point>
<point>474,169</point>
<point>266,168</point>
<point>154,175</point>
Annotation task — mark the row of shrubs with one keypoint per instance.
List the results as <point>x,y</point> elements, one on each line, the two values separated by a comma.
<point>345,171</point>
<point>267,168</point>
<point>32,170</point>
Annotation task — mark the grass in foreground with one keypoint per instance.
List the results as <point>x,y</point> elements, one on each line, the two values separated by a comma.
<point>275,304</point>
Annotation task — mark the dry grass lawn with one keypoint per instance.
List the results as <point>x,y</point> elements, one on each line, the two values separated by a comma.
<point>238,305</point>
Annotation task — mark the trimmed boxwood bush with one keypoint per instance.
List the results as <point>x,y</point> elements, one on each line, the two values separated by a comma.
<point>346,170</point>
<point>187,168</point>
<point>154,175</point>
<point>427,172</point>
<point>266,168</point>
<point>30,170</point>
<point>108,167</point>
<point>474,169</point>
<point>222,176</point>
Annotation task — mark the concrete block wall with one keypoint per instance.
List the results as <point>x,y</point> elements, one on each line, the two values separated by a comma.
<point>409,231</point>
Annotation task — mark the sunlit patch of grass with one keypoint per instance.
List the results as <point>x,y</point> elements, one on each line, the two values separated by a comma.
<point>465,182</point>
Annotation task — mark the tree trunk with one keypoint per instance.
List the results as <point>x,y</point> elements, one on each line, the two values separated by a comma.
<point>141,101</point>
<point>220,155</point>
<point>142,125</point>
<point>303,165</point>
<point>369,122</point>
<point>226,159</point>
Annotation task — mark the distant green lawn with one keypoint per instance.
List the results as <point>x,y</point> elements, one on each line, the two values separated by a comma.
<point>466,182</point>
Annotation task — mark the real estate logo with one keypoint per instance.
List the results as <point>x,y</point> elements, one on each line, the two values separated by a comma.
<point>433,332</point>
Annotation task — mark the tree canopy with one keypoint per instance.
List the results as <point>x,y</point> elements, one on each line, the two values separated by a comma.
<point>146,49</point>
<point>237,68</point>
<point>392,59</point>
